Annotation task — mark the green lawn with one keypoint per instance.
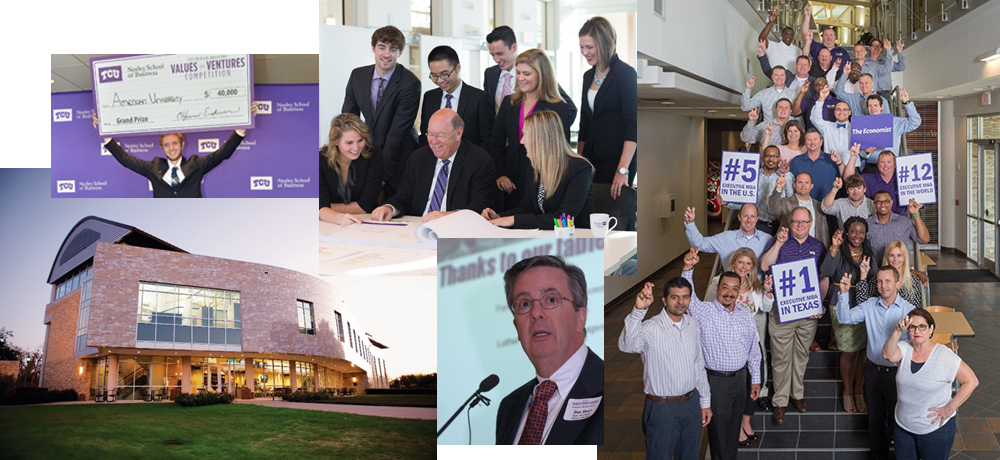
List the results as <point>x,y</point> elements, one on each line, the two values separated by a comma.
<point>169,431</point>
<point>387,400</point>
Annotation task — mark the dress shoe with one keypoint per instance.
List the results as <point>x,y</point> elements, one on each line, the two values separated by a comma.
<point>800,404</point>
<point>815,346</point>
<point>764,404</point>
<point>778,415</point>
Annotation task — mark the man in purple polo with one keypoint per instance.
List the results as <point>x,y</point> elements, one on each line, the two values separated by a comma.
<point>790,341</point>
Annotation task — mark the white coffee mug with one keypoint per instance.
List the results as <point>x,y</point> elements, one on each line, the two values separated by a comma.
<point>599,224</point>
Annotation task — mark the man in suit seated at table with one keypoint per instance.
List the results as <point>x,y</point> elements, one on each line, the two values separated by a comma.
<point>563,403</point>
<point>387,95</point>
<point>447,175</point>
<point>499,80</point>
<point>472,104</point>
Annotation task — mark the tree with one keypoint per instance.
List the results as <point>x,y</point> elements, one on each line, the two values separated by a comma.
<point>8,352</point>
<point>415,381</point>
<point>29,371</point>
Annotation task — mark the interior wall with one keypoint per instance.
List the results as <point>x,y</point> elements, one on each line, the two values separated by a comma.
<point>677,167</point>
<point>961,109</point>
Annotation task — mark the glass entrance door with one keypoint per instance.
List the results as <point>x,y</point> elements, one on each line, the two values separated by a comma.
<point>982,199</point>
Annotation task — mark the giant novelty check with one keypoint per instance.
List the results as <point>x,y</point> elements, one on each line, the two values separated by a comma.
<point>172,92</point>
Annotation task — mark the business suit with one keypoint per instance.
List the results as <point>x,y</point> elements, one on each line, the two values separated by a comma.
<point>491,80</point>
<point>589,431</point>
<point>367,177</point>
<point>508,153</point>
<point>574,196</point>
<point>605,131</point>
<point>194,168</point>
<point>391,123</point>
<point>781,208</point>
<point>474,108</point>
<point>470,181</point>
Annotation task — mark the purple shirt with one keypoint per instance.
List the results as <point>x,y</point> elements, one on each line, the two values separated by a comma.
<point>828,106</point>
<point>728,339</point>
<point>375,84</point>
<point>874,184</point>
<point>792,250</point>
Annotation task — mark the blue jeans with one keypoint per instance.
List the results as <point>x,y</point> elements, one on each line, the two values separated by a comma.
<point>673,430</point>
<point>931,446</point>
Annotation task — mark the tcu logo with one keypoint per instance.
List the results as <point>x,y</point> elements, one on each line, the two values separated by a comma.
<point>60,115</point>
<point>66,186</point>
<point>208,145</point>
<point>110,74</point>
<point>263,107</point>
<point>260,182</point>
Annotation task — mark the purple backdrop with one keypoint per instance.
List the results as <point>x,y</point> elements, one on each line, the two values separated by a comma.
<point>276,160</point>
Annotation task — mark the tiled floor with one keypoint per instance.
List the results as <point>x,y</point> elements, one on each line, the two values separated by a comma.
<point>978,425</point>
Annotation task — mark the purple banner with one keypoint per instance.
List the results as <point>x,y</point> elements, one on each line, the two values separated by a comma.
<point>872,131</point>
<point>277,159</point>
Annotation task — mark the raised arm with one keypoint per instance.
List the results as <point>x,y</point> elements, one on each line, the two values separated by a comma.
<point>747,102</point>
<point>913,210</point>
<point>750,133</point>
<point>827,204</point>
<point>846,314</point>
<point>797,105</point>
<point>632,340</point>
<point>807,35</point>
<point>771,20</point>
<point>770,257</point>
<point>890,350</point>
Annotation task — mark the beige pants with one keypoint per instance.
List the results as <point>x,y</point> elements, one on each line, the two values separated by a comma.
<point>789,356</point>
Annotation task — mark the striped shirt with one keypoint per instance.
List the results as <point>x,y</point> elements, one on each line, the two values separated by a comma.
<point>728,339</point>
<point>765,99</point>
<point>671,356</point>
<point>753,134</point>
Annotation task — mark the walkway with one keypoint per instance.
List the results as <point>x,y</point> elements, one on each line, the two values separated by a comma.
<point>423,413</point>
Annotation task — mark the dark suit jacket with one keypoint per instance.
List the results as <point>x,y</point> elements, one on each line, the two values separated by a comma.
<point>574,197</point>
<point>391,124</point>
<point>469,183</point>
<point>194,168</point>
<point>474,107</point>
<point>491,79</point>
<point>505,145</point>
<point>589,431</point>
<point>367,174</point>
<point>606,130</point>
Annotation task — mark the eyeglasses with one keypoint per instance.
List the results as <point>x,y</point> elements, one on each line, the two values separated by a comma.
<point>919,327</point>
<point>883,202</point>
<point>523,305</point>
<point>443,75</point>
<point>800,222</point>
<point>440,136</point>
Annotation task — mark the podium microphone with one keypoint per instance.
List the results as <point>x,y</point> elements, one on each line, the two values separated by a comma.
<point>486,385</point>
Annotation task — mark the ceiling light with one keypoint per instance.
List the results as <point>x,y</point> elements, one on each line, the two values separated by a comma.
<point>940,97</point>
<point>977,89</point>
<point>667,102</point>
<point>732,115</point>
<point>711,111</point>
<point>989,56</point>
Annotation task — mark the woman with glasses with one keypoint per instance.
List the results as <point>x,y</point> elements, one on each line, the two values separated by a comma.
<point>536,91</point>
<point>898,257</point>
<point>350,174</point>
<point>758,298</point>
<point>562,180</point>
<point>851,338</point>
<point>925,408</point>
<point>608,126</point>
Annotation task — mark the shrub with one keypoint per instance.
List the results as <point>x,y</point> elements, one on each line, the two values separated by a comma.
<point>28,395</point>
<point>307,396</point>
<point>191,400</point>
<point>7,385</point>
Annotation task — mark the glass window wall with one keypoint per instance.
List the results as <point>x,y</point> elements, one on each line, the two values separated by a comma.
<point>183,314</point>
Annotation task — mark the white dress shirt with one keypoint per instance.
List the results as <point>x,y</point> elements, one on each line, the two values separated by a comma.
<point>564,378</point>
<point>454,97</point>
<point>497,98</point>
<point>168,177</point>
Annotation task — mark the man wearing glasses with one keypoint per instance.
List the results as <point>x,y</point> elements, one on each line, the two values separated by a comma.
<point>790,341</point>
<point>564,403</point>
<point>472,104</point>
<point>880,315</point>
<point>885,226</point>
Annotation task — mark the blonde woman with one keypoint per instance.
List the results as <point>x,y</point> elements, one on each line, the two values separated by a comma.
<point>608,126</point>
<point>898,257</point>
<point>350,174</point>
<point>562,180</point>
<point>757,297</point>
<point>536,90</point>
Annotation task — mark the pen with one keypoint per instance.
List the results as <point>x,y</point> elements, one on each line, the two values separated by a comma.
<point>394,224</point>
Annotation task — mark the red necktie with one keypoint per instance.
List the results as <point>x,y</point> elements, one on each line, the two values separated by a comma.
<point>534,427</point>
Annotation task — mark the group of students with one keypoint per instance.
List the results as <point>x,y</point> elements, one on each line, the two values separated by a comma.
<point>813,202</point>
<point>502,151</point>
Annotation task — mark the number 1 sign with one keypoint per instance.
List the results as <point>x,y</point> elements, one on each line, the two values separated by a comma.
<point>796,288</point>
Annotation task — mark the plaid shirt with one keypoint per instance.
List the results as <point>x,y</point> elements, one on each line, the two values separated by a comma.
<point>728,339</point>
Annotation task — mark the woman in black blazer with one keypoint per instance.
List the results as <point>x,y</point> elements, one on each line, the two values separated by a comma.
<point>536,90</point>
<point>608,121</point>
<point>349,173</point>
<point>562,180</point>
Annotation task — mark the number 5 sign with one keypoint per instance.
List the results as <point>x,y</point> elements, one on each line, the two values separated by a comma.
<point>738,182</point>
<point>796,288</point>
<point>915,178</point>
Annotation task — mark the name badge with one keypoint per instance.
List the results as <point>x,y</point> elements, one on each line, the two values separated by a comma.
<point>581,409</point>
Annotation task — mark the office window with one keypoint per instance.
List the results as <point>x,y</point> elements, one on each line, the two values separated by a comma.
<point>340,325</point>
<point>350,335</point>
<point>185,314</point>
<point>307,320</point>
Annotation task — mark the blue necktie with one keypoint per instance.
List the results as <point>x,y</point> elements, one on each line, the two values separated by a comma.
<point>841,125</point>
<point>440,186</point>
<point>447,102</point>
<point>174,180</point>
<point>381,87</point>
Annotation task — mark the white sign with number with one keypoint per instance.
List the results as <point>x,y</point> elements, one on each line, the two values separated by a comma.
<point>796,290</point>
<point>915,178</point>
<point>738,178</point>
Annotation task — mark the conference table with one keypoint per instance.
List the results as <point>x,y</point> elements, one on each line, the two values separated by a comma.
<point>384,250</point>
<point>953,324</point>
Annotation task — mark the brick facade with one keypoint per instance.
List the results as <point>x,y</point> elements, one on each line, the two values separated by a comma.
<point>62,369</point>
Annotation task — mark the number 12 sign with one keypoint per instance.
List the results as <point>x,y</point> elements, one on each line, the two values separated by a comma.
<point>915,178</point>
<point>796,288</point>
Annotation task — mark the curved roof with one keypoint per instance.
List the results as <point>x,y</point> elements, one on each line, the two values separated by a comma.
<point>80,244</point>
